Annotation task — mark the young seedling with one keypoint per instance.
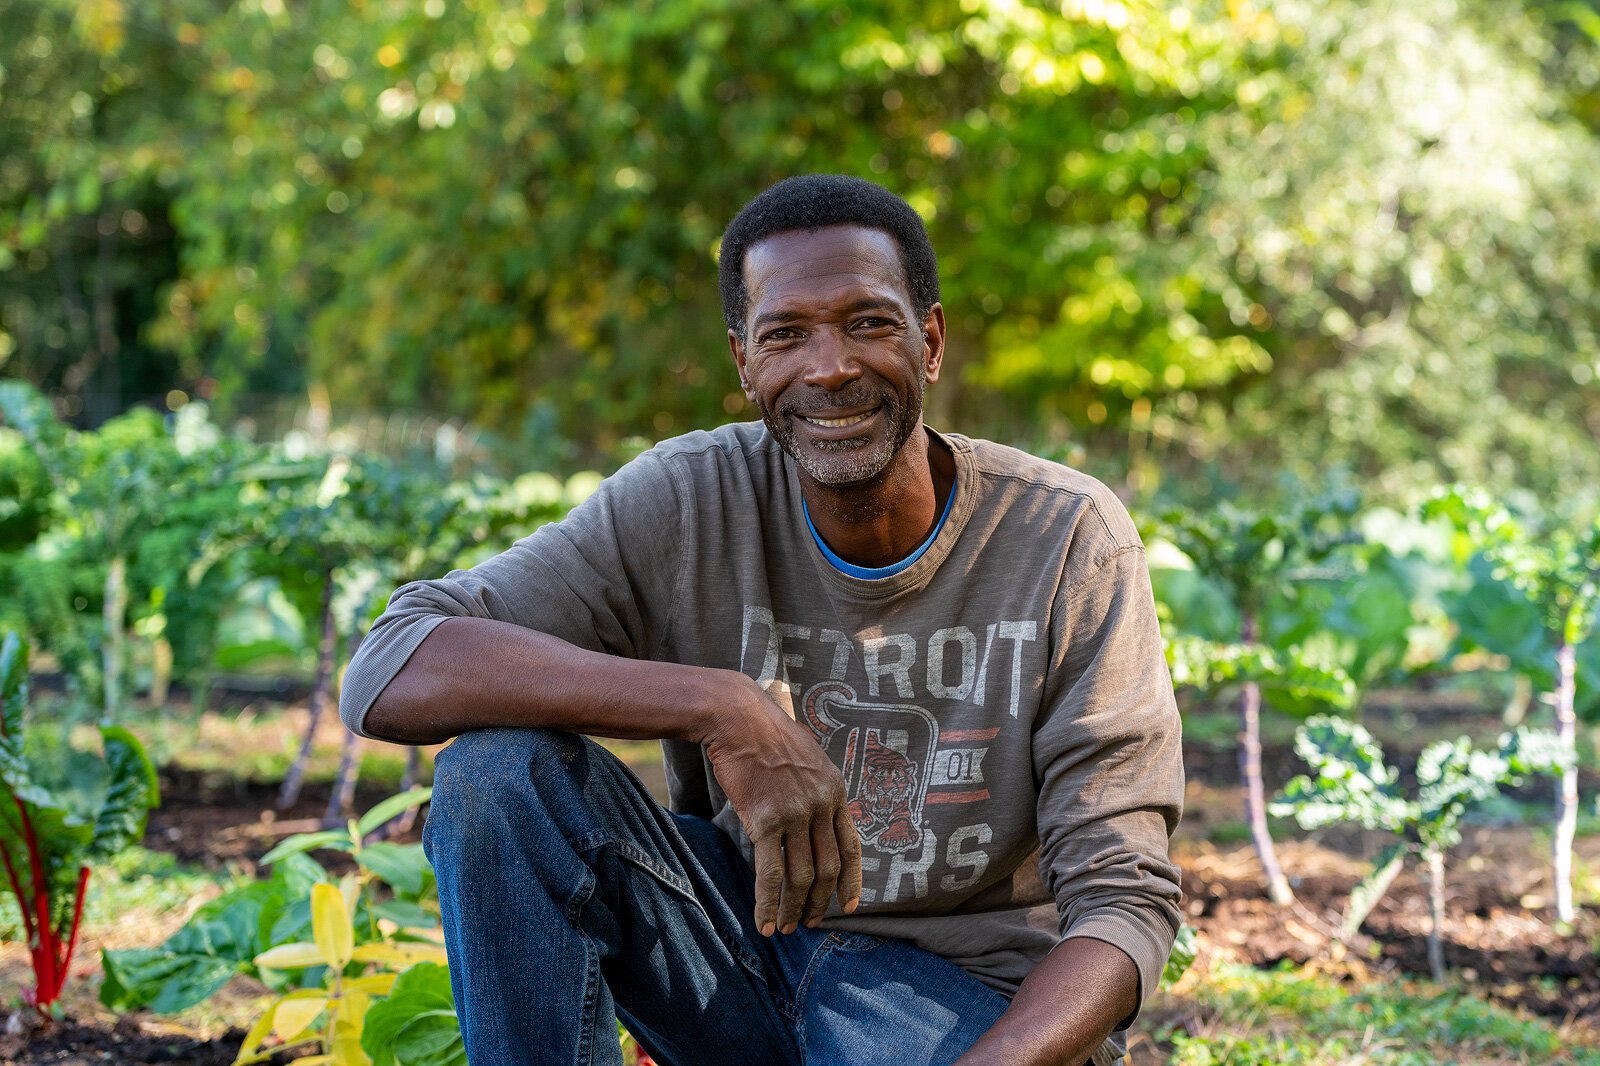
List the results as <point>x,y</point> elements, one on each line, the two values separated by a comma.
<point>1351,782</point>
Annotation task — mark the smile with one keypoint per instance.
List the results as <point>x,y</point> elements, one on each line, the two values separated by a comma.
<point>838,423</point>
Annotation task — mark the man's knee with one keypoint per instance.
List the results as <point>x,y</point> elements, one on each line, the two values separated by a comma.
<point>487,776</point>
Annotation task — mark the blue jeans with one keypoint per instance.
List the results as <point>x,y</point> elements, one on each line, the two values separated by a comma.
<point>571,898</point>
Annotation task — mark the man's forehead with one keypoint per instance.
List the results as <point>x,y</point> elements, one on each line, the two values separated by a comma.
<point>829,255</point>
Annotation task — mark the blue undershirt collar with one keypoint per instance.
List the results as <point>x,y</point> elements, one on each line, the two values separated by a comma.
<point>872,572</point>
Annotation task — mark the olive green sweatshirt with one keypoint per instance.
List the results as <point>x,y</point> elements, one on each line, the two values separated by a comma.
<point>1000,709</point>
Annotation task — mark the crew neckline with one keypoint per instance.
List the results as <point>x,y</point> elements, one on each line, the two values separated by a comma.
<point>875,573</point>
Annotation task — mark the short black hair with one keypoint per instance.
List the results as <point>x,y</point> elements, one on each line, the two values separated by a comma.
<point>812,201</point>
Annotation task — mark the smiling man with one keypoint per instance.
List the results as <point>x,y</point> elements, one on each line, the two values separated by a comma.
<point>920,740</point>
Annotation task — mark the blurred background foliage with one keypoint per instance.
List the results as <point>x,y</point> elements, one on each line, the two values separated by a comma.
<point>1174,237</point>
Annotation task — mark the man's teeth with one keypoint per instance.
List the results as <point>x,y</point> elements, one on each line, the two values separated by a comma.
<point>835,423</point>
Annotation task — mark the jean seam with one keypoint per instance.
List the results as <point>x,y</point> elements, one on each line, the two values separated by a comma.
<point>818,957</point>
<point>591,980</point>
<point>633,854</point>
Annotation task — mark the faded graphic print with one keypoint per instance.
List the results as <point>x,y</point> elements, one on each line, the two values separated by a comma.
<point>885,752</point>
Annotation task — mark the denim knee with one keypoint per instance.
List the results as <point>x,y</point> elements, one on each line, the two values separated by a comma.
<point>486,774</point>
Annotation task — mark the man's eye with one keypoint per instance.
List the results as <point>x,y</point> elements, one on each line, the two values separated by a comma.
<point>781,334</point>
<point>874,322</point>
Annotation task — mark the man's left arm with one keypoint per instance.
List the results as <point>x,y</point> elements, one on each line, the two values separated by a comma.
<point>1107,753</point>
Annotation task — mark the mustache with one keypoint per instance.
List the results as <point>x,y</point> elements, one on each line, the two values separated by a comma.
<point>857,394</point>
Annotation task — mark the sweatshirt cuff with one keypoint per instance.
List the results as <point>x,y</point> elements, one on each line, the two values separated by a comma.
<point>379,658</point>
<point>1138,941</point>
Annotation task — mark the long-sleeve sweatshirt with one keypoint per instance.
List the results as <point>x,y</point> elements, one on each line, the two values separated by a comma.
<point>1000,709</point>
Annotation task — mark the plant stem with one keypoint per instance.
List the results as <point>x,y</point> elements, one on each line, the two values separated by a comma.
<point>1567,783</point>
<point>1255,800</point>
<point>44,939</point>
<point>344,783</point>
<point>115,609</point>
<point>77,923</point>
<point>1435,858</point>
<point>326,648</point>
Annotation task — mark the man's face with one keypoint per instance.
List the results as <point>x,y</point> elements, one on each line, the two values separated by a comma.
<point>832,354</point>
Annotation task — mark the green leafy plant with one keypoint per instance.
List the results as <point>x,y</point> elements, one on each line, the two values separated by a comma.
<point>1254,556</point>
<point>227,935</point>
<point>52,832</point>
<point>1555,567</point>
<point>1351,782</point>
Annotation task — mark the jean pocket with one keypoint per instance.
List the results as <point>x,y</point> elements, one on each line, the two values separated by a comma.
<point>855,943</point>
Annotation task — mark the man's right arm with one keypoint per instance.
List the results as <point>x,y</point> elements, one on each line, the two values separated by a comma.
<point>480,673</point>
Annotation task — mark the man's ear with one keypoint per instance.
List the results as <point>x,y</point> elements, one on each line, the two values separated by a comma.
<point>736,346</point>
<point>933,343</point>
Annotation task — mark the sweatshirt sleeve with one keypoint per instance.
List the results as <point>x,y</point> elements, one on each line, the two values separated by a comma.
<point>1109,759</point>
<point>602,578</point>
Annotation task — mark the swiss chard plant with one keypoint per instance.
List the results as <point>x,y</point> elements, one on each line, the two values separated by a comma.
<point>1351,782</point>
<point>54,831</point>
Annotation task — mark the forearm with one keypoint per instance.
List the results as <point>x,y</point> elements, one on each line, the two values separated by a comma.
<point>1064,1010</point>
<point>478,673</point>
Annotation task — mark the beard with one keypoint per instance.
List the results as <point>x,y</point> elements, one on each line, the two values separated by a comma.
<point>856,459</point>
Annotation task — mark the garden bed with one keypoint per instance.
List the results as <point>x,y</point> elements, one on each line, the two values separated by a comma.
<point>1500,939</point>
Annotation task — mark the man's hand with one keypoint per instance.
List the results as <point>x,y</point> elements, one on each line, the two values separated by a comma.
<point>790,799</point>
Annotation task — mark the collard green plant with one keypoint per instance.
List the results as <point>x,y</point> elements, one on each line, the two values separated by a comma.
<point>1555,566</point>
<point>53,832</point>
<point>141,519</point>
<point>1351,782</point>
<point>1254,555</point>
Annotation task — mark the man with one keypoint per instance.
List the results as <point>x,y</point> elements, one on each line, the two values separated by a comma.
<point>919,735</point>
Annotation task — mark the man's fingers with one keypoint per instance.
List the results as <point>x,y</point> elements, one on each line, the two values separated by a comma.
<point>825,859</point>
<point>844,831</point>
<point>769,881</point>
<point>800,874</point>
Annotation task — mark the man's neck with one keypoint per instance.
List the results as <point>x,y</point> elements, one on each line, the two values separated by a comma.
<point>879,522</point>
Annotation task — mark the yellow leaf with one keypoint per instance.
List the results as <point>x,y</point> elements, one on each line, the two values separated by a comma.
<point>347,1051</point>
<point>291,957</point>
<point>250,1050</point>
<point>377,984</point>
<point>401,955</point>
<point>350,888</point>
<point>330,925</point>
<point>296,1015</point>
<point>353,1010</point>
<point>314,1060</point>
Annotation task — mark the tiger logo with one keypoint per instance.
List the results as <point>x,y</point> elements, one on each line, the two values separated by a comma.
<point>885,752</point>
<point>882,807</point>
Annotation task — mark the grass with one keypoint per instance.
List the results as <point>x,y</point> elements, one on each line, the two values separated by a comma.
<point>1289,1017</point>
<point>256,745</point>
<point>137,881</point>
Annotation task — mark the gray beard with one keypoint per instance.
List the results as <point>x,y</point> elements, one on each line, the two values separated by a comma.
<point>848,462</point>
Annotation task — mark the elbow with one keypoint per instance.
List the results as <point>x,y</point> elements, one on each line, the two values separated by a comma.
<point>392,718</point>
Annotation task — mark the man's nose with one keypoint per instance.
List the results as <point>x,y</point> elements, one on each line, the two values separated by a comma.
<point>832,365</point>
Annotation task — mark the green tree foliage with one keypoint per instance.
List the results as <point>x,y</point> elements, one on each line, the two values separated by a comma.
<point>1355,227</point>
<point>1406,196</point>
